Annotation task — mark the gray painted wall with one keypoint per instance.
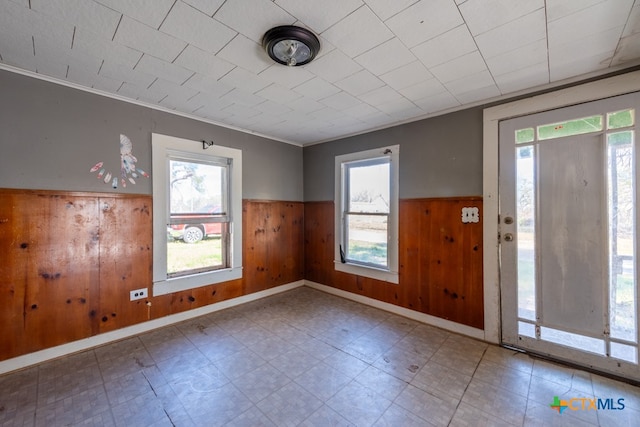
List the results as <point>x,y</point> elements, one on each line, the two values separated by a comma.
<point>439,157</point>
<point>51,135</point>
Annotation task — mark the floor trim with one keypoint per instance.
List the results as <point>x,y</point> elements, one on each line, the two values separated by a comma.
<point>405,312</point>
<point>30,359</point>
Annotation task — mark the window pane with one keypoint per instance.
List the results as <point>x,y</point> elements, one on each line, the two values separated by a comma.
<point>624,352</point>
<point>367,239</point>
<point>621,210</point>
<point>197,238</point>
<point>570,127</point>
<point>524,135</point>
<point>525,216</point>
<point>203,255</point>
<point>581,342</point>
<point>196,187</point>
<point>620,119</point>
<point>369,186</point>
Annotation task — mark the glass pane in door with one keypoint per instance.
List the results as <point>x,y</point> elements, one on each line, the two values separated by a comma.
<point>525,217</point>
<point>622,274</point>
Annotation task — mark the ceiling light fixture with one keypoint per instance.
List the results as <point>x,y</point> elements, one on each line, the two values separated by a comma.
<point>291,45</point>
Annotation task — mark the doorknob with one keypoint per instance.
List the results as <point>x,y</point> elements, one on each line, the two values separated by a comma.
<point>508,237</point>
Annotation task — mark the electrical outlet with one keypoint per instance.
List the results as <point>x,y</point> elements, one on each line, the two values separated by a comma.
<point>138,294</point>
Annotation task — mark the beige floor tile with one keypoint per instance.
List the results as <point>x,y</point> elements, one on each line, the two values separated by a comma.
<point>358,404</point>
<point>307,358</point>
<point>437,410</point>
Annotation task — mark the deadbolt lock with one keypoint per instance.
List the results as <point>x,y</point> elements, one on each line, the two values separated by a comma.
<point>508,220</point>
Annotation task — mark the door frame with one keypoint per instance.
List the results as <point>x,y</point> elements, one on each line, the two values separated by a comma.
<point>604,88</point>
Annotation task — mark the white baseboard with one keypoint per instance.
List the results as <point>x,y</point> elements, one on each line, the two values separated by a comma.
<point>30,359</point>
<point>405,312</point>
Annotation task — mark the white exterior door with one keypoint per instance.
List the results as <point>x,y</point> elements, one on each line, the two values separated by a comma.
<point>568,221</point>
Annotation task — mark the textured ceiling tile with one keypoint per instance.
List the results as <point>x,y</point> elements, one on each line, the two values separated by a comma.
<point>264,15</point>
<point>381,96</point>
<point>424,21</point>
<point>479,94</point>
<point>633,23</point>
<point>116,71</point>
<point>164,70</point>
<point>103,83</point>
<point>586,22</point>
<point>469,64</point>
<point>557,9</point>
<point>88,43</point>
<point>423,89</point>
<point>333,66</point>
<point>145,39</point>
<point>17,49</point>
<point>172,89</point>
<point>484,15</point>
<point>316,88</point>
<point>386,57</point>
<point>439,102</point>
<point>530,76</point>
<point>470,82</point>
<point>445,47</point>
<point>319,16</point>
<point>306,105</point>
<point>513,35</point>
<point>288,77</point>
<point>361,111</point>
<point>194,27</point>
<point>82,13</point>
<point>208,7</point>
<point>359,83</point>
<point>18,19</point>
<point>358,32</point>
<point>508,62</point>
<point>385,9</point>
<point>279,94</point>
<point>407,75</point>
<point>628,50</point>
<point>241,111</point>
<point>149,12</point>
<point>340,101</point>
<point>400,109</point>
<point>246,53</point>
<point>567,58</point>
<point>238,96</point>
<point>203,62</point>
<point>273,108</point>
<point>209,85</point>
<point>245,80</point>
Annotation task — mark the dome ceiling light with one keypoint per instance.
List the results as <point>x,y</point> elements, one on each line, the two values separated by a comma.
<point>291,45</point>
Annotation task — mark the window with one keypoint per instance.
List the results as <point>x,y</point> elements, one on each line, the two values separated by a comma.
<point>197,219</point>
<point>366,201</point>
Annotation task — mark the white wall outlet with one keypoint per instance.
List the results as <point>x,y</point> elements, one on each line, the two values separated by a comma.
<point>470,215</point>
<point>138,294</point>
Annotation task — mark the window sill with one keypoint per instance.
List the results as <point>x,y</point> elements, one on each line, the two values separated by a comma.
<point>184,283</point>
<point>372,273</point>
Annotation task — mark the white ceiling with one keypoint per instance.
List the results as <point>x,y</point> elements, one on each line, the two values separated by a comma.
<point>382,62</point>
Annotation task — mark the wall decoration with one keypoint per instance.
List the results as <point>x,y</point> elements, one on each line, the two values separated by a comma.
<point>128,170</point>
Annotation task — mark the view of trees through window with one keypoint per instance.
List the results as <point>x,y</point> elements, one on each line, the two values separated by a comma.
<point>198,218</point>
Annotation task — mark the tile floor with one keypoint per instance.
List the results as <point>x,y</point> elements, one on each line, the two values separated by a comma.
<point>304,358</point>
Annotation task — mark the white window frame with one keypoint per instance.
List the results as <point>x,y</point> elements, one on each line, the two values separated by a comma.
<point>164,146</point>
<point>390,274</point>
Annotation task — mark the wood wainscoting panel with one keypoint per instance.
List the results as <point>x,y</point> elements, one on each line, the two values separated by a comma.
<point>70,260</point>
<point>49,273</point>
<point>440,259</point>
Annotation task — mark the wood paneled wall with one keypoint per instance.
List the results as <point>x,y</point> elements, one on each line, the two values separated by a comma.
<point>69,261</point>
<point>440,259</point>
